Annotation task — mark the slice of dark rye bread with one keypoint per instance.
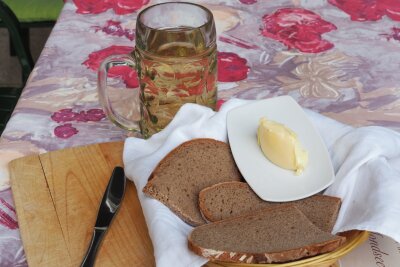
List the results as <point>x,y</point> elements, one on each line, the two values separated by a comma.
<point>190,167</point>
<point>232,199</point>
<point>279,234</point>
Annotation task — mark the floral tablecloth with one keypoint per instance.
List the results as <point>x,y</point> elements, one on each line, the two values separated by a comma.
<point>337,57</point>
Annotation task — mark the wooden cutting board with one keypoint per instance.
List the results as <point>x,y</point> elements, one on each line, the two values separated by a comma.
<point>57,195</point>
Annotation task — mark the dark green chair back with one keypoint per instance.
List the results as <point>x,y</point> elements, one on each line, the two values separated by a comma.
<point>9,96</point>
<point>10,21</point>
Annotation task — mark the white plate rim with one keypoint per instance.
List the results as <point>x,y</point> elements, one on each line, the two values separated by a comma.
<point>285,189</point>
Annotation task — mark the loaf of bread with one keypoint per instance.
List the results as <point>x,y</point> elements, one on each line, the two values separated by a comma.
<point>192,166</point>
<point>274,235</point>
<point>232,199</point>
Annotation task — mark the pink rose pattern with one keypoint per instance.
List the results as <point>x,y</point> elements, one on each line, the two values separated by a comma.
<point>91,6</point>
<point>68,115</point>
<point>95,58</point>
<point>238,43</point>
<point>128,75</point>
<point>369,10</point>
<point>5,218</point>
<point>120,7</point>
<point>248,2</point>
<point>114,28</point>
<point>231,67</point>
<point>65,131</point>
<point>220,102</point>
<point>298,28</point>
<point>395,34</point>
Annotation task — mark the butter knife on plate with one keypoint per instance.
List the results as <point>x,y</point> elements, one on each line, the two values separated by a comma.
<point>109,206</point>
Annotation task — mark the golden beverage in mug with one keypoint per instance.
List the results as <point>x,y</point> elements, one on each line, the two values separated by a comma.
<point>174,73</point>
<point>176,61</point>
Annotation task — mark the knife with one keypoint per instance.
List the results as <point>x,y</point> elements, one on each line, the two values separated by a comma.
<point>109,206</point>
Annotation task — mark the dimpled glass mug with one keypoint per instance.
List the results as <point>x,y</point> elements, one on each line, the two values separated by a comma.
<point>176,61</point>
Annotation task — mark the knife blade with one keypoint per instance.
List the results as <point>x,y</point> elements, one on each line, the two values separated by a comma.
<point>109,206</point>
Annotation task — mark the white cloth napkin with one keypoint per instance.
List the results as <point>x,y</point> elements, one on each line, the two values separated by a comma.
<point>365,161</point>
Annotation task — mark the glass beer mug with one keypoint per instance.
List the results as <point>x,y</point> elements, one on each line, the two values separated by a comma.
<point>176,61</point>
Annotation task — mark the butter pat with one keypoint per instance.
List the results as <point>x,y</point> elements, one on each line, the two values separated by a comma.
<point>281,146</point>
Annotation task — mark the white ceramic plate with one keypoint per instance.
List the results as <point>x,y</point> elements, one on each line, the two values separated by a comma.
<point>269,181</point>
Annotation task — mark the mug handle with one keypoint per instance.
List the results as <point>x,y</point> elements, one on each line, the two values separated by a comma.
<point>109,62</point>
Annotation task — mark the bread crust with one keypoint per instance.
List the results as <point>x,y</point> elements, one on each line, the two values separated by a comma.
<point>309,250</point>
<point>267,257</point>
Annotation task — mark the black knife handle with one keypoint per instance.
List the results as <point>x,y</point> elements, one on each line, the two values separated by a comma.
<point>97,237</point>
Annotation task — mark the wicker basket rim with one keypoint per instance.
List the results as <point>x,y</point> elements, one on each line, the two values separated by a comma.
<point>354,239</point>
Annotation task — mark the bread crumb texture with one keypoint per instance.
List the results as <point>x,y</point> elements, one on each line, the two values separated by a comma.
<point>186,170</point>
